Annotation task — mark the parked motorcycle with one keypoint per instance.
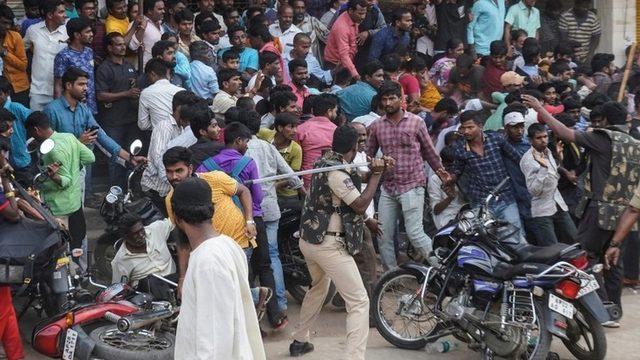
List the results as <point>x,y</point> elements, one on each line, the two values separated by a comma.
<point>36,256</point>
<point>119,324</point>
<point>114,205</point>
<point>502,298</point>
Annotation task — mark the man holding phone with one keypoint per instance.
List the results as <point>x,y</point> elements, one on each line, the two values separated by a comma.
<point>70,114</point>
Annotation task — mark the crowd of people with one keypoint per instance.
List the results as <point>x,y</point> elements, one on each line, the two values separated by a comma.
<point>441,103</point>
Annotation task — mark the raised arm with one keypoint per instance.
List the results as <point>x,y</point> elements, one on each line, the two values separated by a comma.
<point>563,132</point>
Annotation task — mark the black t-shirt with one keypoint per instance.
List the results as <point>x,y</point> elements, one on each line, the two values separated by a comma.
<point>598,147</point>
<point>470,85</point>
<point>204,149</point>
<point>451,23</point>
<point>113,78</point>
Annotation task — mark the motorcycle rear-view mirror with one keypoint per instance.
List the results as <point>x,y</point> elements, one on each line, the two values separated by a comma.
<point>135,147</point>
<point>47,146</point>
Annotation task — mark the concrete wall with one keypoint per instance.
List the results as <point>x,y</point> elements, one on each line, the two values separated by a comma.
<point>618,20</point>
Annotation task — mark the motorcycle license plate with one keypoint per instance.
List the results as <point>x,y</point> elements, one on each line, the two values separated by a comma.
<point>560,306</point>
<point>70,345</point>
<point>588,285</point>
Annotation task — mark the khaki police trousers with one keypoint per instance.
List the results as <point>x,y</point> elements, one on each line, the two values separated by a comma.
<point>330,261</point>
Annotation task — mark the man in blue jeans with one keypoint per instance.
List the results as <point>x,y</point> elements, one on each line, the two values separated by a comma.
<point>480,158</point>
<point>403,136</point>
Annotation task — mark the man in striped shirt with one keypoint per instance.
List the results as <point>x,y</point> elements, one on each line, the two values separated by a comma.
<point>581,25</point>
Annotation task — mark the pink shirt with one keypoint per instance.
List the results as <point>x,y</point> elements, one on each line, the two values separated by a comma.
<point>315,136</point>
<point>301,94</point>
<point>341,44</point>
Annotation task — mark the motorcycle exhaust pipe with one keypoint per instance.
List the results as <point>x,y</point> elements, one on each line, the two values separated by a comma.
<point>137,321</point>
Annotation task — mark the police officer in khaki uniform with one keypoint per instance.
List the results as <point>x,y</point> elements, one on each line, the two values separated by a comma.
<point>331,231</point>
<point>613,163</point>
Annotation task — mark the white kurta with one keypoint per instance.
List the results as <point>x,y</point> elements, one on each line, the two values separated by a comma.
<point>217,316</point>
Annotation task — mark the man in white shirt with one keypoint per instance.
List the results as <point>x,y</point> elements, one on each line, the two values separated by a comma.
<point>446,201</point>
<point>156,113</point>
<point>217,316</point>
<point>302,50</point>
<point>549,212</point>
<point>143,251</point>
<point>150,30</point>
<point>284,29</point>
<point>44,40</point>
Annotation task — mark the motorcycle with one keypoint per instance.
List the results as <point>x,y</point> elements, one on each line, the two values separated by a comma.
<point>120,324</point>
<point>36,256</point>
<point>113,206</point>
<point>502,298</point>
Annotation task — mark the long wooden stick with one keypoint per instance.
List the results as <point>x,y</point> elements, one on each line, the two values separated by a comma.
<point>627,71</point>
<point>304,172</point>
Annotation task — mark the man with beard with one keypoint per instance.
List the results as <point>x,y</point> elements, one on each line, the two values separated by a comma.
<point>43,40</point>
<point>343,40</point>
<point>581,25</point>
<point>78,54</point>
<point>299,76</point>
<point>149,29</point>
<point>117,100</point>
<point>87,9</point>
<point>70,114</point>
<point>284,29</point>
<point>403,189</point>
<point>355,100</point>
<point>387,40</point>
<point>310,25</point>
<point>209,6</point>
<point>609,184</point>
<point>117,20</point>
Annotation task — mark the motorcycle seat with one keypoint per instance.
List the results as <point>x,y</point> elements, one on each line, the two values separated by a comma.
<point>540,254</point>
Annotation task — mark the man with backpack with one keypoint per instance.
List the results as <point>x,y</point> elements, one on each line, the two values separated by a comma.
<point>233,161</point>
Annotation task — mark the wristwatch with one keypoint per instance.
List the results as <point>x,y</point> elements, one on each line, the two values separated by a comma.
<point>613,245</point>
<point>251,222</point>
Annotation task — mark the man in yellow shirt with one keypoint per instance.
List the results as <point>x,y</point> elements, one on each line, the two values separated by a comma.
<point>228,218</point>
<point>117,20</point>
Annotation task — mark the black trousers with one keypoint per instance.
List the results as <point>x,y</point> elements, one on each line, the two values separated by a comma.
<point>595,241</point>
<point>631,256</point>
<point>261,267</point>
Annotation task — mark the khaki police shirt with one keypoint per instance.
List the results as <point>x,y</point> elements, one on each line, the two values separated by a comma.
<point>344,189</point>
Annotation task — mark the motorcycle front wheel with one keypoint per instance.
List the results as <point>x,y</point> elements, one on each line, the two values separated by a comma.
<point>112,344</point>
<point>401,317</point>
<point>587,340</point>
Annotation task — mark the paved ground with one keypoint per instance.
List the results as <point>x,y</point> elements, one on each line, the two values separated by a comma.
<point>328,337</point>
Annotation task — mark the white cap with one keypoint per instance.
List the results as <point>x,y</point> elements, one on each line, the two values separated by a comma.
<point>473,105</point>
<point>513,118</point>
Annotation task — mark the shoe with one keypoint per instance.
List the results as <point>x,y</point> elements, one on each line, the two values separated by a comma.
<point>281,323</point>
<point>611,324</point>
<point>264,296</point>
<point>298,348</point>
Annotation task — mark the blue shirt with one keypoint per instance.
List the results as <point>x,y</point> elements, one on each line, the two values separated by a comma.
<point>522,195</point>
<point>183,69</point>
<point>487,24</point>
<point>69,57</point>
<point>204,81</point>
<point>485,172</point>
<point>64,120</point>
<point>19,156</point>
<point>386,41</point>
<point>355,100</point>
<point>248,59</point>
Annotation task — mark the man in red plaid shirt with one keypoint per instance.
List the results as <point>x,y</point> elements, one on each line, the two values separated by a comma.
<point>404,137</point>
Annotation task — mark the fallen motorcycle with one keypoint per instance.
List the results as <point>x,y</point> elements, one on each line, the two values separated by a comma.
<point>120,324</point>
